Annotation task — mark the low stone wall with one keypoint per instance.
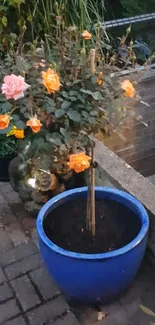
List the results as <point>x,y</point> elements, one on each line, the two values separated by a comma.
<point>135,141</point>
<point>112,171</point>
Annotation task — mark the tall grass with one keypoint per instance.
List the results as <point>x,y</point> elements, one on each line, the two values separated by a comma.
<point>83,13</point>
<point>42,17</point>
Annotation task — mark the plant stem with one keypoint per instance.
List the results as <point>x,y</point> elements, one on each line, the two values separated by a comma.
<point>93,222</point>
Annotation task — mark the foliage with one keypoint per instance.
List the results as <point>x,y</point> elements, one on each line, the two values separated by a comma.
<point>90,96</point>
<point>8,146</point>
<point>57,94</point>
<point>78,12</point>
<point>7,8</point>
<point>137,7</point>
<point>38,18</point>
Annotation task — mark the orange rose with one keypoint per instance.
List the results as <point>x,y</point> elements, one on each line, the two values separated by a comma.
<point>34,124</point>
<point>128,87</point>
<point>79,162</point>
<point>51,80</point>
<point>86,35</point>
<point>4,121</point>
<point>19,134</point>
<point>99,79</point>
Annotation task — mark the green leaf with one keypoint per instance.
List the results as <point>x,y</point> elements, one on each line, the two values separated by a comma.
<point>3,8</point>
<point>5,106</point>
<point>73,99</point>
<point>40,143</point>
<point>57,142</point>
<point>74,116</point>
<point>53,135</point>
<point>20,124</point>
<point>26,115</point>
<point>50,138</point>
<point>73,93</point>
<point>85,114</point>
<point>80,106</point>
<point>94,80</point>
<point>23,109</point>
<point>60,99</point>
<point>66,134</point>
<point>79,97</point>
<point>4,21</point>
<point>56,135</point>
<point>29,18</point>
<point>50,109</point>
<point>64,94</point>
<point>50,101</point>
<point>5,131</point>
<point>63,131</point>
<point>13,35</point>
<point>89,108</point>
<point>86,91</point>
<point>94,113</point>
<point>8,64</point>
<point>96,95</point>
<point>92,120</point>
<point>15,117</point>
<point>2,99</point>
<point>66,104</point>
<point>49,105</point>
<point>59,113</point>
<point>147,311</point>
<point>47,147</point>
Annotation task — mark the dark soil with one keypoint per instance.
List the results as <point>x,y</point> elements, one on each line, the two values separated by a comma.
<point>116,226</point>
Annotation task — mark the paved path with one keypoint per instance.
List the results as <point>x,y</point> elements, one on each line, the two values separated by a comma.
<point>28,296</point>
<point>151,179</point>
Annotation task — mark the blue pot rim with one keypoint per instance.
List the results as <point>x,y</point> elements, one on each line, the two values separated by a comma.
<point>134,202</point>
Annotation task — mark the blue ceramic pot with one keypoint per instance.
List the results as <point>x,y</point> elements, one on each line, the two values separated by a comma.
<point>89,278</point>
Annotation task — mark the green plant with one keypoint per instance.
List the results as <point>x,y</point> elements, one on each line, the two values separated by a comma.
<point>45,16</point>
<point>11,23</point>
<point>8,146</point>
<point>41,17</point>
<point>63,102</point>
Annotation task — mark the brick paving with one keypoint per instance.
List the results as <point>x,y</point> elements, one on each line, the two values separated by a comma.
<point>28,295</point>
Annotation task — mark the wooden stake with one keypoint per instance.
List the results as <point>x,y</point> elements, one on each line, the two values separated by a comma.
<point>88,216</point>
<point>92,61</point>
<point>93,221</point>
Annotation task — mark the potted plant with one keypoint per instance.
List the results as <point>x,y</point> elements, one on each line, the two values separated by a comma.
<point>97,263</point>
<point>84,234</point>
<point>60,102</point>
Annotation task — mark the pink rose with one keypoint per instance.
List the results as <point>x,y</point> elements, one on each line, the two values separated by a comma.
<point>14,87</point>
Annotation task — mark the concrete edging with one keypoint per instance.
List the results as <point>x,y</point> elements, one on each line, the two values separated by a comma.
<point>113,171</point>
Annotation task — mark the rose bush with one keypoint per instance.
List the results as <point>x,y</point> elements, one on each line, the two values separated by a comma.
<point>68,97</point>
